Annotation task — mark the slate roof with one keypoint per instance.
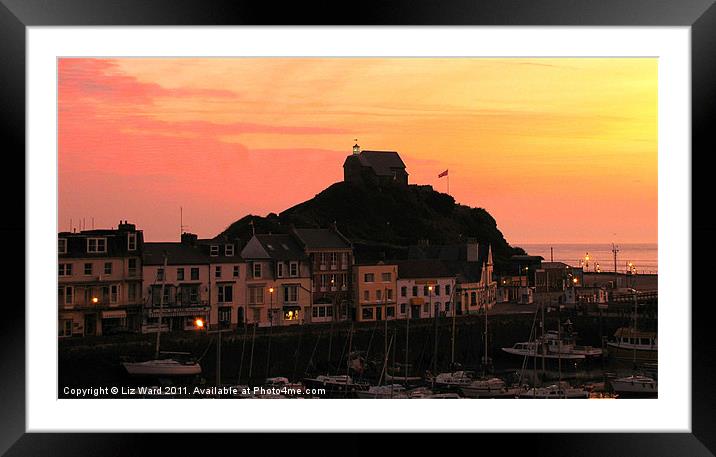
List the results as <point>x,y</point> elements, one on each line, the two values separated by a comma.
<point>177,254</point>
<point>382,162</point>
<point>312,238</point>
<point>281,247</point>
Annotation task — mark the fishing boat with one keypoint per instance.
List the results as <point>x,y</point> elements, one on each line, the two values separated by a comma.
<point>560,390</point>
<point>632,344</point>
<point>489,388</point>
<point>163,367</point>
<point>566,343</point>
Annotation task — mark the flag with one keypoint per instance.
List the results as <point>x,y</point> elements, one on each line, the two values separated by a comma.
<point>444,173</point>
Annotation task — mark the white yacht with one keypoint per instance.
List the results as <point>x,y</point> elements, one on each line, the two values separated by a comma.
<point>534,349</point>
<point>489,388</point>
<point>635,384</point>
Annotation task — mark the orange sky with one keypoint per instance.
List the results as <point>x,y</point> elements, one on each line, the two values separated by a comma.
<point>557,150</point>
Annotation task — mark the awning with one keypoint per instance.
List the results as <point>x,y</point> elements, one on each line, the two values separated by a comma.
<point>118,314</point>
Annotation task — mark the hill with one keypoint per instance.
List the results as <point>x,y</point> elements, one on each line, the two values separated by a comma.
<point>383,221</point>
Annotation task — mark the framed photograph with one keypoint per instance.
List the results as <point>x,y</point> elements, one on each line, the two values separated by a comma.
<point>475,205</point>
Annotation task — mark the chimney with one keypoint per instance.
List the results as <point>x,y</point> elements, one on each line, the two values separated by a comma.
<point>124,226</point>
<point>188,239</point>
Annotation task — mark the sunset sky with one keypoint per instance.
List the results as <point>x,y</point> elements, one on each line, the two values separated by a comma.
<point>557,150</point>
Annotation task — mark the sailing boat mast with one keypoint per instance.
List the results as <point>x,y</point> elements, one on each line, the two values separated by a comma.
<point>161,306</point>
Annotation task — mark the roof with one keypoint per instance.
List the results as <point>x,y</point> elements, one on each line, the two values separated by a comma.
<point>313,238</point>
<point>382,162</point>
<point>281,247</point>
<point>422,268</point>
<point>176,252</point>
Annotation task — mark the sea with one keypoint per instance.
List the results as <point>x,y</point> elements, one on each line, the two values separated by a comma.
<point>643,256</point>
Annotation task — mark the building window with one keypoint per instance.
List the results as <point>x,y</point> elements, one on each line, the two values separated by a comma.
<point>132,241</point>
<point>415,291</point>
<point>403,291</point>
<point>447,306</point>
<point>437,289</point>
<point>180,274</point>
<point>225,315</point>
<point>366,295</point>
<point>88,269</point>
<point>65,328</point>
<point>293,269</point>
<point>214,250</point>
<point>447,289</point>
<point>378,295</point>
<point>257,270</point>
<point>96,245</point>
<point>368,313</point>
<point>108,268</point>
<point>217,271</point>
<point>229,250</point>
<point>402,308</point>
<point>369,277</point>
<point>390,311</point>
<point>65,269</point>
<point>290,294</point>
<point>389,294</point>
<point>105,294</point>
<point>226,293</point>
<point>195,274</point>
<point>193,295</point>
<point>114,293</point>
<point>344,260</point>
<point>62,247</point>
<point>132,267</point>
<point>279,270</point>
<point>426,291</point>
<point>160,274</point>
<point>65,295</point>
<point>291,314</point>
<point>236,271</point>
<point>256,295</point>
<point>385,277</point>
<point>426,308</point>
<point>473,298</point>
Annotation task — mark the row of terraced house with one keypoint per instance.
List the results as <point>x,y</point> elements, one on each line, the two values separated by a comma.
<point>112,281</point>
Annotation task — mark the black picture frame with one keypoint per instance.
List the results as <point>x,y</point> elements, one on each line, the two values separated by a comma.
<point>700,15</point>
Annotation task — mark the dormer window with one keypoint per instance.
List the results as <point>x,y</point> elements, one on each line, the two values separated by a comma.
<point>132,241</point>
<point>293,269</point>
<point>257,270</point>
<point>96,245</point>
<point>229,250</point>
<point>214,250</point>
<point>62,245</point>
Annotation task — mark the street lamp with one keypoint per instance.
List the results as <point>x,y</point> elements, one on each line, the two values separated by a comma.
<point>268,355</point>
<point>435,351</point>
<point>201,325</point>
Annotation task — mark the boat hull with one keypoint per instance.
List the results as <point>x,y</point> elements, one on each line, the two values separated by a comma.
<point>550,356</point>
<point>162,368</point>
<point>642,355</point>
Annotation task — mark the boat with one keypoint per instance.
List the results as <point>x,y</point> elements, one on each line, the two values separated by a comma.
<point>542,351</point>
<point>489,388</point>
<point>424,392</point>
<point>635,385</point>
<point>560,390</point>
<point>335,384</point>
<point>163,366</point>
<point>566,343</point>
<point>406,380</point>
<point>452,379</point>
<point>635,345</point>
<point>386,391</point>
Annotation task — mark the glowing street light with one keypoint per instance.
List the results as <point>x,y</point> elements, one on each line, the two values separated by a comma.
<point>95,300</point>
<point>199,323</point>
